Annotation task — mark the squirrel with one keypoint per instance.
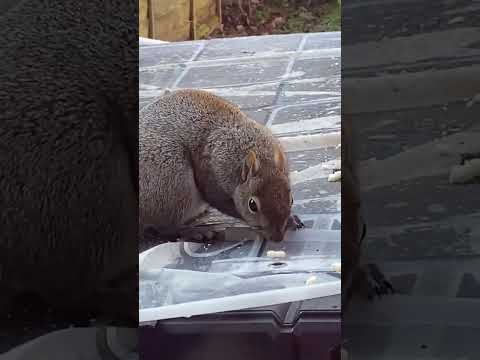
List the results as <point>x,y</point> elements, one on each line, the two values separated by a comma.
<point>196,150</point>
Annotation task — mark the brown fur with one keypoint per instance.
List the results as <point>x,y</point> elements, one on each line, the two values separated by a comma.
<point>250,166</point>
<point>198,149</point>
<point>279,158</point>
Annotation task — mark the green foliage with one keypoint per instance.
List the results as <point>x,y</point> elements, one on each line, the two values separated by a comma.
<point>282,17</point>
<point>315,19</point>
<point>333,19</point>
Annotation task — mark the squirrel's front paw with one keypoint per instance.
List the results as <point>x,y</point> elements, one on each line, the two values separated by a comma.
<point>197,234</point>
<point>294,223</point>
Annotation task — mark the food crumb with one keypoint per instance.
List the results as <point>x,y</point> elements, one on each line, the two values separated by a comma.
<point>336,267</point>
<point>336,176</point>
<point>311,280</point>
<point>276,254</point>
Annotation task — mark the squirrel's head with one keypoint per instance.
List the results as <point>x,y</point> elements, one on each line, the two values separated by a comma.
<point>263,197</point>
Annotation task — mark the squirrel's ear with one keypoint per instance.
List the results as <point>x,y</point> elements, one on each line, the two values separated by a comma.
<point>279,158</point>
<point>250,166</point>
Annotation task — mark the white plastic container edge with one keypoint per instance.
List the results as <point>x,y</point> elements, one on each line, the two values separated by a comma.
<point>243,301</point>
<point>146,41</point>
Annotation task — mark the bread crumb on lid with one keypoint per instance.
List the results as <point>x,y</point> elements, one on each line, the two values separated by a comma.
<point>276,254</point>
<point>336,176</point>
<point>311,280</point>
<point>336,267</point>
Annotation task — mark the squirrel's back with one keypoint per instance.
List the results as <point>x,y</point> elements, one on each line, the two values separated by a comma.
<point>200,121</point>
<point>196,120</point>
<point>186,114</point>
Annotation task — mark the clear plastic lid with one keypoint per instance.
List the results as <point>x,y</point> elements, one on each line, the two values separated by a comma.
<point>185,279</point>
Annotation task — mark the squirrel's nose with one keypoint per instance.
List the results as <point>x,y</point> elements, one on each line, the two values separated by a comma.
<point>277,235</point>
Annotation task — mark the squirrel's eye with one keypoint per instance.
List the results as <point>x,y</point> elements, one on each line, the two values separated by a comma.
<point>291,200</point>
<point>252,205</point>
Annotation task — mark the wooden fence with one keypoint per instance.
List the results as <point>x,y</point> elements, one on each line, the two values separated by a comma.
<point>178,20</point>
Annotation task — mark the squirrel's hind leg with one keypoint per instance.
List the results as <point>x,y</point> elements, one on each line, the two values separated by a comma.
<point>169,199</point>
<point>169,196</point>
